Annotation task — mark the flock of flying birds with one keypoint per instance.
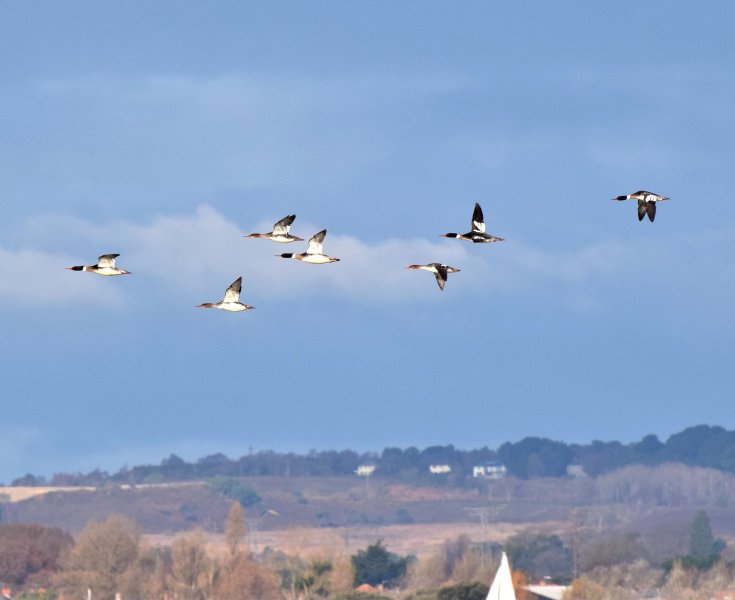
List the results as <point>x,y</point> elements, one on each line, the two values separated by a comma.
<point>314,253</point>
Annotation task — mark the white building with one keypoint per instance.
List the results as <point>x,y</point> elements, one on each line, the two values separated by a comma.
<point>576,471</point>
<point>493,470</point>
<point>438,469</point>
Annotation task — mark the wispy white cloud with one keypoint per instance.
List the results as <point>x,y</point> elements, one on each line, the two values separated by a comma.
<point>227,94</point>
<point>37,278</point>
<point>683,80</point>
<point>196,255</point>
<point>668,117</point>
<point>241,129</point>
<point>136,141</point>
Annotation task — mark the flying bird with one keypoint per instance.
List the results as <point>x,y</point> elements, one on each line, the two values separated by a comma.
<point>105,266</point>
<point>646,203</point>
<point>231,301</point>
<point>477,233</point>
<point>280,232</point>
<point>439,270</point>
<point>314,253</point>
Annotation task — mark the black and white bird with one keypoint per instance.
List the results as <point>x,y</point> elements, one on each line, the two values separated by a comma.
<point>280,232</point>
<point>314,253</point>
<point>105,266</point>
<point>646,203</point>
<point>477,233</point>
<point>231,301</point>
<point>439,270</point>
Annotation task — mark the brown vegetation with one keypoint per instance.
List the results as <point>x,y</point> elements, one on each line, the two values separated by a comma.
<point>197,543</point>
<point>111,557</point>
<point>29,553</point>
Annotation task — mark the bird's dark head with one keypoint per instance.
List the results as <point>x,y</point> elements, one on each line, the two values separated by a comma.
<point>286,255</point>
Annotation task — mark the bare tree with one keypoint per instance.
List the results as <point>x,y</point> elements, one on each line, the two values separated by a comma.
<point>192,571</point>
<point>584,589</point>
<point>342,574</point>
<point>103,553</point>
<point>235,528</point>
<point>245,580</point>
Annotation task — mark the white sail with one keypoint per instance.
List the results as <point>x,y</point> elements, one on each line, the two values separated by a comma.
<point>502,586</point>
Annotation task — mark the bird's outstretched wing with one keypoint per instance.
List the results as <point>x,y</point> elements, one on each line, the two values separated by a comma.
<point>651,209</point>
<point>233,292</point>
<point>441,275</point>
<point>642,209</point>
<point>478,220</point>
<point>107,261</point>
<point>282,226</point>
<point>315,243</point>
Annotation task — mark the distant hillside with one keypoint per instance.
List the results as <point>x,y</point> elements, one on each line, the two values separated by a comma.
<point>161,508</point>
<point>530,458</point>
<point>275,503</point>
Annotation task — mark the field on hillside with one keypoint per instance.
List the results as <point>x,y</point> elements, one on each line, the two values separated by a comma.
<point>19,493</point>
<point>321,503</point>
<point>416,539</point>
<point>348,513</point>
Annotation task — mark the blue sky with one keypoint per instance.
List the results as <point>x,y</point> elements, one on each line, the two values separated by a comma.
<point>165,131</point>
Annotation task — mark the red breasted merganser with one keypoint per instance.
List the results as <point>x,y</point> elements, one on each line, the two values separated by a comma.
<point>314,253</point>
<point>105,266</point>
<point>646,203</point>
<point>439,270</point>
<point>280,232</point>
<point>477,234</point>
<point>231,301</point>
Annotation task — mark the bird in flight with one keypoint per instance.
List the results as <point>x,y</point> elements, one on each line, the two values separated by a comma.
<point>646,203</point>
<point>231,301</point>
<point>477,233</point>
<point>314,252</point>
<point>439,270</point>
<point>280,232</point>
<point>105,266</point>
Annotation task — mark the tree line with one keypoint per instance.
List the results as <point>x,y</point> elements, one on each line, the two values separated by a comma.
<point>108,560</point>
<point>530,458</point>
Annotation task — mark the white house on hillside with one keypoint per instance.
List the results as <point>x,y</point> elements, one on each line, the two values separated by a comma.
<point>438,469</point>
<point>491,470</point>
